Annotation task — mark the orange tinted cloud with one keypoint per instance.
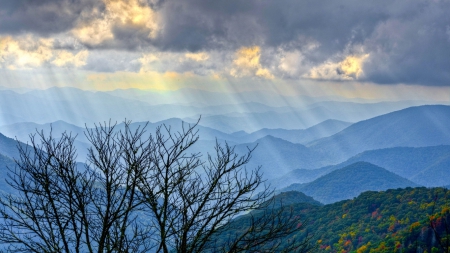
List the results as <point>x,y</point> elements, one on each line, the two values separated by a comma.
<point>247,63</point>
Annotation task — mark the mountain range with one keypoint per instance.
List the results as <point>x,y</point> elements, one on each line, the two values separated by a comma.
<point>300,117</point>
<point>410,142</point>
<point>277,156</point>
<point>243,112</point>
<point>350,181</point>
<point>411,127</point>
<point>302,136</point>
<point>427,166</point>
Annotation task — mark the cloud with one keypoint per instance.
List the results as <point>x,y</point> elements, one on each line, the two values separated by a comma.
<point>119,17</point>
<point>247,63</point>
<point>201,63</point>
<point>30,52</point>
<point>25,53</point>
<point>290,62</point>
<point>44,17</point>
<point>408,41</point>
<point>95,32</point>
<point>350,68</point>
<point>201,56</point>
<point>66,58</point>
<point>411,51</point>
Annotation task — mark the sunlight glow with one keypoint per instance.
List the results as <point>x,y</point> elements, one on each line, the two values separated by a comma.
<point>247,63</point>
<point>128,13</point>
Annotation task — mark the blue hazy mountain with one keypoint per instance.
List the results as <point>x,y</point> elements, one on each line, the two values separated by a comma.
<point>350,181</point>
<point>301,118</point>
<point>24,129</point>
<point>5,164</point>
<point>6,119</point>
<point>302,136</point>
<point>9,153</point>
<point>8,147</point>
<point>68,104</point>
<point>288,198</point>
<point>251,122</point>
<point>300,176</point>
<point>428,166</point>
<point>278,156</point>
<point>354,109</point>
<point>412,127</point>
<point>250,107</point>
<point>78,107</point>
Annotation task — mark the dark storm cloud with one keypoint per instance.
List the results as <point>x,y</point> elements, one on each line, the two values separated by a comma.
<point>44,16</point>
<point>414,50</point>
<point>408,40</point>
<point>196,24</point>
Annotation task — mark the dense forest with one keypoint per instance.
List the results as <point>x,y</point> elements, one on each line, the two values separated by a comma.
<point>400,220</point>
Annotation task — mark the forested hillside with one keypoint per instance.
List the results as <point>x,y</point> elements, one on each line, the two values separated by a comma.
<point>392,221</point>
<point>400,220</point>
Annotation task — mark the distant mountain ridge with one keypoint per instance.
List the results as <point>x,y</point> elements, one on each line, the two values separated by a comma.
<point>300,118</point>
<point>278,156</point>
<point>350,181</point>
<point>285,199</point>
<point>5,163</point>
<point>302,136</point>
<point>428,166</point>
<point>23,129</point>
<point>249,111</point>
<point>419,126</point>
<point>8,147</point>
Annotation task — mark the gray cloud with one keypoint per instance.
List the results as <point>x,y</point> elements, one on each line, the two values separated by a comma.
<point>44,16</point>
<point>415,50</point>
<point>112,61</point>
<point>408,40</point>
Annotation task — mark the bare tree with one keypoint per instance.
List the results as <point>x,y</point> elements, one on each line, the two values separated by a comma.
<point>139,193</point>
<point>58,207</point>
<point>193,201</point>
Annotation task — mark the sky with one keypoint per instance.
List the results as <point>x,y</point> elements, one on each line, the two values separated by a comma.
<point>385,49</point>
